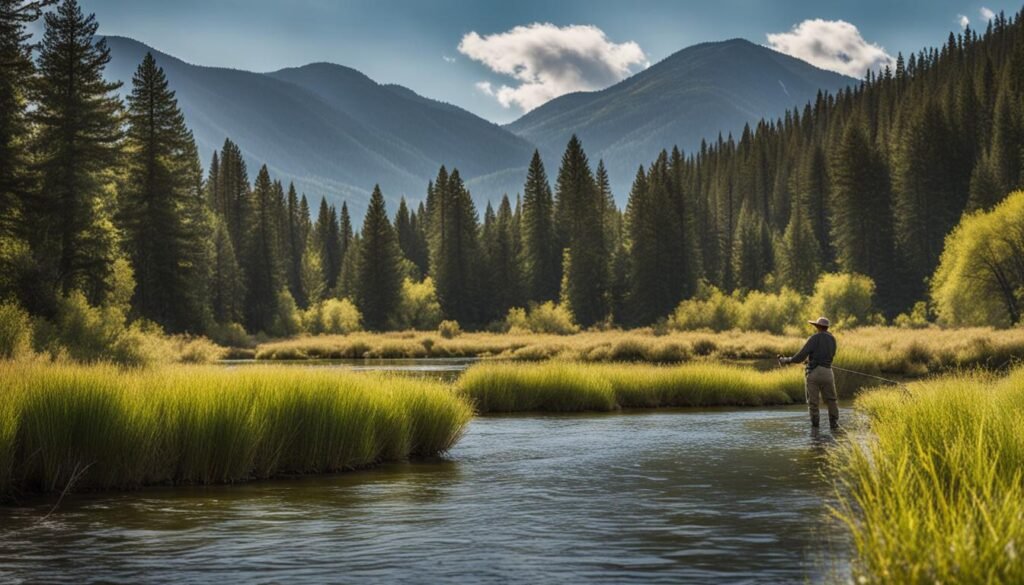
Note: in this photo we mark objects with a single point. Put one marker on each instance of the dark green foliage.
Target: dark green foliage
(294, 234)
(228, 188)
(541, 255)
(454, 248)
(261, 262)
(15, 177)
(579, 219)
(162, 212)
(76, 146)
(327, 233)
(798, 260)
(862, 229)
(227, 288)
(411, 238)
(752, 251)
(502, 270)
(379, 274)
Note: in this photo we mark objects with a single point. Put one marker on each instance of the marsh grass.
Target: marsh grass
(571, 386)
(104, 427)
(934, 492)
(873, 350)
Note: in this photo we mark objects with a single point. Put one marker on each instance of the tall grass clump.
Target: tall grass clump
(15, 331)
(934, 493)
(103, 427)
(572, 386)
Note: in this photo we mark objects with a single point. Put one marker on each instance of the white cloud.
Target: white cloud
(448, 59)
(986, 13)
(547, 61)
(962, 20)
(835, 45)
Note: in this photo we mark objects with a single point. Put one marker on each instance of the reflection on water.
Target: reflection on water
(446, 369)
(656, 496)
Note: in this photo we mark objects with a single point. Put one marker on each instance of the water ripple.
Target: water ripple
(714, 496)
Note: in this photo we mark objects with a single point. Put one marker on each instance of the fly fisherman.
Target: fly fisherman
(819, 351)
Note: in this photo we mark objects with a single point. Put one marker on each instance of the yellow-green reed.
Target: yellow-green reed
(572, 386)
(933, 493)
(102, 427)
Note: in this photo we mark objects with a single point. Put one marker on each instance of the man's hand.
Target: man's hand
(783, 360)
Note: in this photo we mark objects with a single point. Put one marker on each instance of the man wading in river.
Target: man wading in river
(819, 351)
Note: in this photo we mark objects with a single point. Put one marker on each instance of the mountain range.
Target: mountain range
(335, 132)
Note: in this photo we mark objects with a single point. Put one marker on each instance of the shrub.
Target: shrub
(449, 329)
(231, 335)
(772, 312)
(15, 331)
(90, 334)
(917, 319)
(710, 309)
(846, 299)
(340, 317)
(551, 318)
(515, 321)
(287, 319)
(418, 307)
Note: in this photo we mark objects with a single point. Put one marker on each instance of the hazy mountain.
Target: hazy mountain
(693, 94)
(336, 132)
(330, 129)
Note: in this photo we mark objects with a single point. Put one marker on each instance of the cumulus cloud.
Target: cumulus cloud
(962, 20)
(987, 13)
(448, 59)
(835, 45)
(547, 61)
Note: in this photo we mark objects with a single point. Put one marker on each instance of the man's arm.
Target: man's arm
(802, 355)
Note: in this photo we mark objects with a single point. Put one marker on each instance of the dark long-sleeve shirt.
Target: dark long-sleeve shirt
(819, 350)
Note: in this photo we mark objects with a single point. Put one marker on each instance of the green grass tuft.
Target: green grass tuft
(934, 493)
(573, 386)
(102, 427)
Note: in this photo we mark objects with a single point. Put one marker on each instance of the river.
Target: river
(729, 496)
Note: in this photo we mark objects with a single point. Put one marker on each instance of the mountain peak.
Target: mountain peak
(695, 93)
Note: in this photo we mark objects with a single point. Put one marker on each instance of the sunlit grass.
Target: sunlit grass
(571, 386)
(874, 350)
(934, 493)
(104, 427)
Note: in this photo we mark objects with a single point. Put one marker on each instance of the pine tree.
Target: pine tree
(295, 247)
(261, 264)
(379, 282)
(504, 272)
(927, 202)
(454, 249)
(162, 210)
(15, 178)
(541, 255)
(579, 220)
(862, 225)
(798, 257)
(751, 257)
(77, 143)
(311, 273)
(328, 237)
(405, 229)
(230, 194)
(812, 188)
(227, 290)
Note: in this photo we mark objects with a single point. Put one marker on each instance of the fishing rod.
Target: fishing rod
(901, 385)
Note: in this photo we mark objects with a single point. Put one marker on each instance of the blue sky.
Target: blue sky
(416, 43)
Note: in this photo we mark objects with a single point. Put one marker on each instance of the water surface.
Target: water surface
(730, 496)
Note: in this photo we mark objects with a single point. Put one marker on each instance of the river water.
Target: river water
(730, 496)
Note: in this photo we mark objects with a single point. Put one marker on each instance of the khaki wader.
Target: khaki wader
(822, 384)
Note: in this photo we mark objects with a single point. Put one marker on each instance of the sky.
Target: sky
(499, 59)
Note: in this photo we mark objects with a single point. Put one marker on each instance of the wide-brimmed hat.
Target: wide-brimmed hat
(821, 322)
